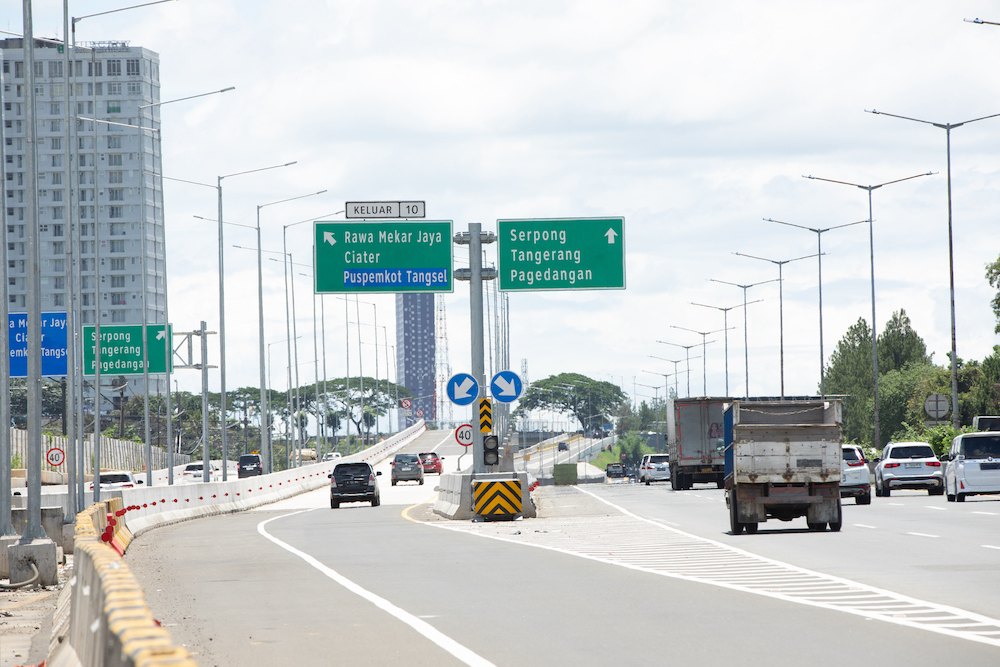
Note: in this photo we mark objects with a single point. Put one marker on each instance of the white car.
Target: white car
(855, 482)
(973, 466)
(908, 465)
(195, 472)
(654, 468)
(116, 479)
(331, 456)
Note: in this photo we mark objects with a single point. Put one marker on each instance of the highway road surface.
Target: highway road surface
(609, 574)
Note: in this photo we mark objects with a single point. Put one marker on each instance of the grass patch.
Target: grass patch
(606, 457)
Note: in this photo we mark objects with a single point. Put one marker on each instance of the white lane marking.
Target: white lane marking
(897, 504)
(986, 513)
(451, 434)
(923, 535)
(864, 525)
(426, 629)
(989, 546)
(932, 507)
(644, 545)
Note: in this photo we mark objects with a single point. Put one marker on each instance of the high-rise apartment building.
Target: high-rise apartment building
(415, 355)
(96, 185)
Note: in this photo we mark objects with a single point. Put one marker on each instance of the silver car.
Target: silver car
(908, 465)
(973, 466)
(855, 482)
(654, 468)
(407, 467)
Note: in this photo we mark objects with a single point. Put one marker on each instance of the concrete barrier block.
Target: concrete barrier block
(42, 553)
(6, 541)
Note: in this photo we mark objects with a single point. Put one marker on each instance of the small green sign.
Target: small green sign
(121, 349)
(561, 254)
(387, 257)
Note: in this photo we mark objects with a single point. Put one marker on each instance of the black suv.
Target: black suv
(250, 466)
(350, 482)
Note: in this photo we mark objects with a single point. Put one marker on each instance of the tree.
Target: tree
(899, 345)
(378, 399)
(993, 276)
(591, 402)
(850, 373)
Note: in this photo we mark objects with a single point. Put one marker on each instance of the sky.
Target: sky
(693, 121)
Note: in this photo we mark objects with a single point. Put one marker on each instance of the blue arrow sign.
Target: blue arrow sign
(53, 344)
(462, 389)
(506, 386)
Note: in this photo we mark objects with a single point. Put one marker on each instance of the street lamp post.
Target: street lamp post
(725, 324)
(948, 127)
(871, 252)
(746, 348)
(781, 309)
(704, 354)
(265, 440)
(675, 373)
(687, 357)
(819, 259)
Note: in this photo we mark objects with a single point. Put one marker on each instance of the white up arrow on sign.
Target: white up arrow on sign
(611, 234)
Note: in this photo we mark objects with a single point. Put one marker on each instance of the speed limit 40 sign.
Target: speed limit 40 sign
(55, 457)
(463, 435)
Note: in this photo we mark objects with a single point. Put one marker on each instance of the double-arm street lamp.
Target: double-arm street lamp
(871, 251)
(948, 127)
(725, 324)
(674, 374)
(746, 348)
(781, 308)
(704, 354)
(819, 259)
(687, 359)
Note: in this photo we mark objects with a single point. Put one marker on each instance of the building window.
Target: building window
(117, 264)
(118, 298)
(59, 282)
(94, 68)
(114, 106)
(114, 67)
(57, 195)
(58, 248)
(54, 108)
(55, 69)
(57, 230)
(58, 211)
(117, 315)
(55, 143)
(115, 177)
(117, 228)
(135, 88)
(114, 88)
(57, 160)
(132, 67)
(118, 281)
(39, 68)
(57, 178)
(114, 142)
(87, 299)
(116, 194)
(117, 246)
(116, 212)
(115, 159)
(58, 299)
(55, 126)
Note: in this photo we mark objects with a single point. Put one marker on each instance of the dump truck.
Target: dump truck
(783, 461)
(695, 441)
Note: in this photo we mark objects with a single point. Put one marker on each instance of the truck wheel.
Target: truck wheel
(816, 527)
(751, 527)
(673, 480)
(835, 525)
(734, 525)
(721, 484)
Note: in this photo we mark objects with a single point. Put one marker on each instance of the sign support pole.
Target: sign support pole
(476, 319)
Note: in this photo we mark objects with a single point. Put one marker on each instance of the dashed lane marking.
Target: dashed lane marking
(634, 542)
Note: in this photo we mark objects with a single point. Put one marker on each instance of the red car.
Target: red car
(432, 462)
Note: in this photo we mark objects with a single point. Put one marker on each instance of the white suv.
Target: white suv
(973, 466)
(855, 481)
(908, 465)
(654, 468)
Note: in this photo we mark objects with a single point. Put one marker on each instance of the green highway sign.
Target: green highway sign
(121, 349)
(561, 254)
(390, 257)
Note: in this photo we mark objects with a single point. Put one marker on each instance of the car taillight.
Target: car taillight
(933, 464)
(854, 464)
(371, 479)
(891, 465)
(333, 481)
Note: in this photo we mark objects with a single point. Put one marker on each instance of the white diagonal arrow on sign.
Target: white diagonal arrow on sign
(462, 390)
(161, 335)
(328, 238)
(507, 388)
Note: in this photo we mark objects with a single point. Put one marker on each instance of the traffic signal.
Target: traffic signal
(491, 450)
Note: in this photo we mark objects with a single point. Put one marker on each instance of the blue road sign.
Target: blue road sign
(462, 389)
(506, 386)
(53, 344)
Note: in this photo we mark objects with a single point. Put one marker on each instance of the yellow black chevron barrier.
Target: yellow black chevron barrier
(485, 416)
(497, 499)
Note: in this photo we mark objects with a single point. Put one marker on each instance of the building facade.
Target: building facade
(99, 185)
(415, 356)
